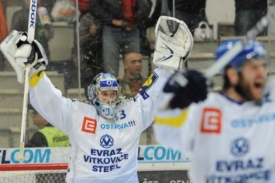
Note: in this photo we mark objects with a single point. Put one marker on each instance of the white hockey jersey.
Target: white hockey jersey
(228, 142)
(102, 151)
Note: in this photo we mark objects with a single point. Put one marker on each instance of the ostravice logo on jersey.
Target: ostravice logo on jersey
(106, 141)
(211, 120)
(89, 125)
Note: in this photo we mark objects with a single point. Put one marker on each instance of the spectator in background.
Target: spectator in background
(83, 6)
(47, 135)
(192, 12)
(48, 4)
(3, 33)
(90, 48)
(43, 33)
(248, 13)
(121, 21)
(155, 12)
(132, 80)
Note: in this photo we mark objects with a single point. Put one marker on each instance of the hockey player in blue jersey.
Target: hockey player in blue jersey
(228, 134)
(103, 132)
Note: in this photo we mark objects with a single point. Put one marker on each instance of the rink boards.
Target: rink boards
(156, 163)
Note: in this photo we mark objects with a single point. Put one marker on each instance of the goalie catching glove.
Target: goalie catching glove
(186, 87)
(174, 43)
(20, 53)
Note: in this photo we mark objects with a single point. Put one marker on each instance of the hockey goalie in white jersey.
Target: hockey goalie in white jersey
(228, 134)
(104, 132)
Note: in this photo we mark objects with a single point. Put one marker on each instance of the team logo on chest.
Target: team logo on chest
(239, 147)
(106, 141)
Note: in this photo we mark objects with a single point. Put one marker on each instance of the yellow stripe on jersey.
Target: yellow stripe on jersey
(36, 78)
(149, 81)
(175, 121)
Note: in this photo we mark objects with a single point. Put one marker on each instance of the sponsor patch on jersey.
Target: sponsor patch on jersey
(147, 84)
(89, 125)
(250, 122)
(107, 126)
(211, 120)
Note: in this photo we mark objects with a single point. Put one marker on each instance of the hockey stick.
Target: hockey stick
(31, 32)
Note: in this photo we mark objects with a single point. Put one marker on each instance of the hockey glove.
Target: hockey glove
(187, 86)
(174, 43)
(19, 52)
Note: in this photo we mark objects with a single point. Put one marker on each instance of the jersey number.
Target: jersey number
(120, 115)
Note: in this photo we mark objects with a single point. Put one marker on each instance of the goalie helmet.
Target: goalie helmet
(251, 50)
(104, 82)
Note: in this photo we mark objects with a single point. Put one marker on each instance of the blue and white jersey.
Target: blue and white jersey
(102, 150)
(227, 141)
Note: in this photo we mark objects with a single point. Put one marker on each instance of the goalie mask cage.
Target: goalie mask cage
(33, 173)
